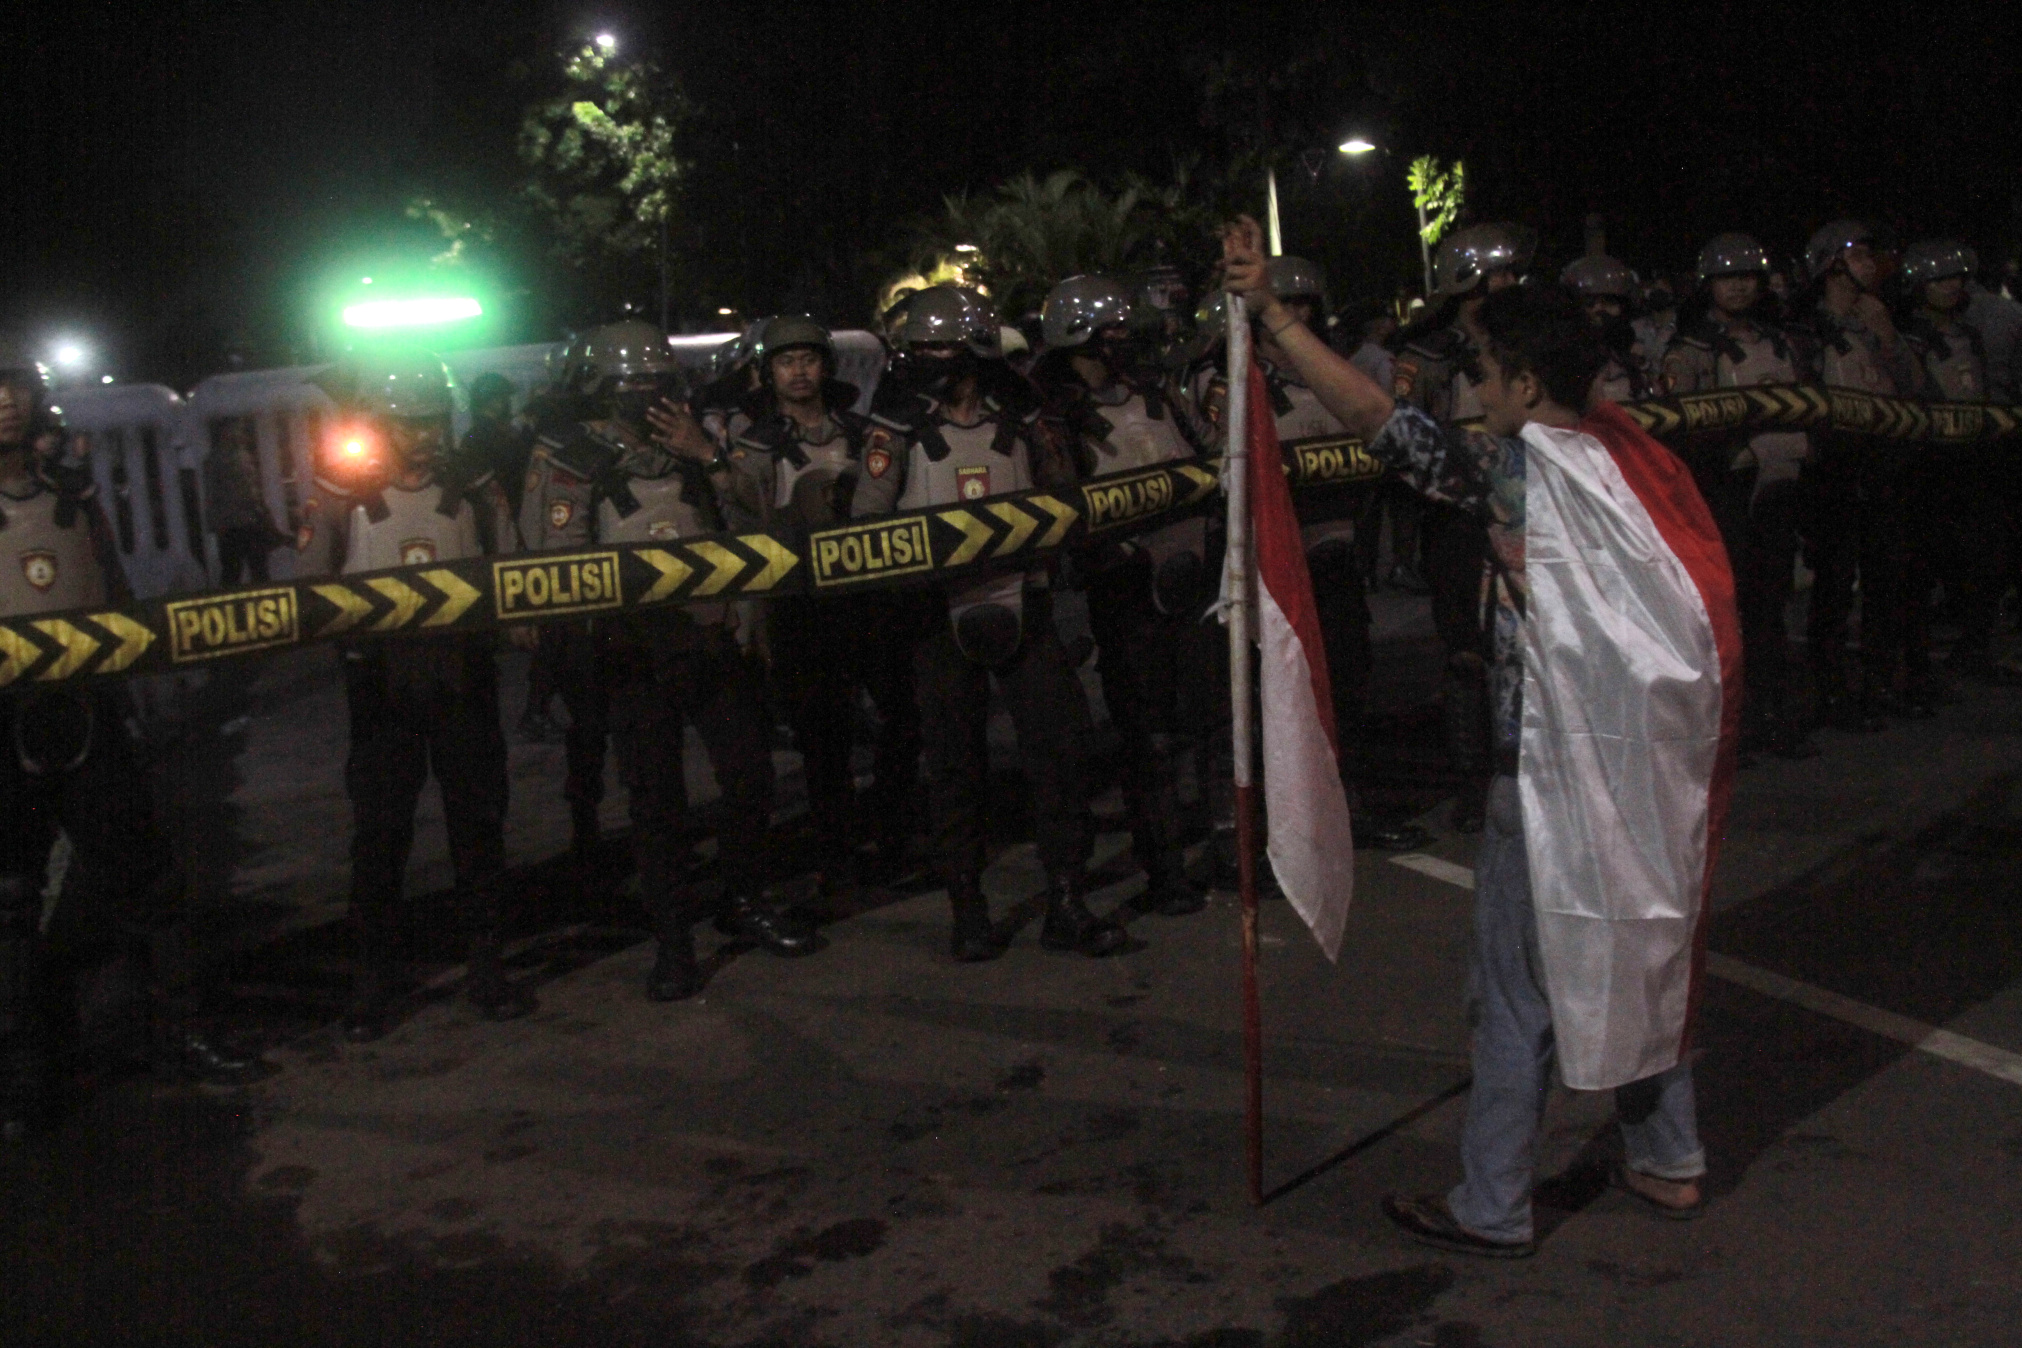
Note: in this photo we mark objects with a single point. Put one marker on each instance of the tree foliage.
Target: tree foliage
(1439, 193)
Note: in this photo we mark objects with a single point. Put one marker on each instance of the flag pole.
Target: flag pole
(1243, 729)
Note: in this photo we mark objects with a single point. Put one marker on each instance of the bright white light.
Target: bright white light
(1357, 145)
(410, 313)
(726, 312)
(70, 355)
(965, 247)
(105, 379)
(606, 42)
(365, 280)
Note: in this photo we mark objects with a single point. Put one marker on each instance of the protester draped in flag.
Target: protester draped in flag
(1617, 686)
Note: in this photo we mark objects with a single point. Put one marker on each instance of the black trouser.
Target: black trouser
(663, 673)
(243, 553)
(1050, 713)
(1763, 582)
(584, 691)
(1456, 553)
(823, 650)
(1851, 533)
(70, 762)
(424, 707)
(1965, 529)
(1145, 659)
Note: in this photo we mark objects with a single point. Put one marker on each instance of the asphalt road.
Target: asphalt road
(875, 1146)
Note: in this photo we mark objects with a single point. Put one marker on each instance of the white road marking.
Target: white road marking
(1956, 1048)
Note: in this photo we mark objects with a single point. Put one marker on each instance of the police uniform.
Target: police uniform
(1145, 596)
(418, 705)
(794, 478)
(1752, 488)
(557, 508)
(1002, 628)
(72, 761)
(1961, 498)
(658, 672)
(1856, 514)
(1437, 372)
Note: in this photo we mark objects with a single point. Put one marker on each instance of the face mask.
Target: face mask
(631, 404)
(936, 374)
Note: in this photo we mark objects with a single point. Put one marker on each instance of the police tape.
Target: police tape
(910, 548)
(907, 549)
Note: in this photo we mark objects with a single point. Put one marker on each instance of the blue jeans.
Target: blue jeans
(1514, 1047)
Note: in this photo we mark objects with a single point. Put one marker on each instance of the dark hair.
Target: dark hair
(1543, 330)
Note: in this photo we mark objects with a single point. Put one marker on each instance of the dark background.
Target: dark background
(190, 170)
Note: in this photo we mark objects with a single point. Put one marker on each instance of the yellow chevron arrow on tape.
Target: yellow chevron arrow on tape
(725, 566)
(778, 560)
(457, 597)
(134, 638)
(975, 536)
(1203, 481)
(352, 608)
(17, 653)
(78, 646)
(1021, 524)
(1064, 516)
(672, 572)
(407, 602)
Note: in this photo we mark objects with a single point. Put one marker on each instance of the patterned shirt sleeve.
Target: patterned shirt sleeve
(1480, 473)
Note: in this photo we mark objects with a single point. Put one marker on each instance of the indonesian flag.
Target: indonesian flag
(1631, 704)
(1310, 843)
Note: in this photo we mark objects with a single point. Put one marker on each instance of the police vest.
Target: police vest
(1762, 361)
(1138, 439)
(1955, 363)
(411, 531)
(1326, 512)
(988, 616)
(660, 510)
(1851, 358)
(555, 502)
(53, 566)
(804, 473)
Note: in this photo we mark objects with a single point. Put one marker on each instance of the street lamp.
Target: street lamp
(1355, 145)
(607, 42)
(70, 355)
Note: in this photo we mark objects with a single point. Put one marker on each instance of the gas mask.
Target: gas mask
(631, 400)
(935, 375)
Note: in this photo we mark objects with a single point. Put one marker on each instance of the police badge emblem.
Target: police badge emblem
(973, 483)
(663, 531)
(560, 513)
(417, 551)
(39, 568)
(878, 461)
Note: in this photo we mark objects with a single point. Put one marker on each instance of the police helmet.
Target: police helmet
(728, 358)
(1826, 246)
(1211, 319)
(1081, 306)
(1294, 278)
(630, 349)
(790, 330)
(947, 313)
(1595, 277)
(1731, 254)
(411, 387)
(1935, 260)
(1466, 257)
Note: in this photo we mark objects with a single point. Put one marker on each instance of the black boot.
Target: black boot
(973, 940)
(1070, 926)
(675, 976)
(747, 919)
(485, 986)
(1167, 891)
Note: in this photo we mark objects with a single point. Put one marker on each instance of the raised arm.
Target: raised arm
(1352, 396)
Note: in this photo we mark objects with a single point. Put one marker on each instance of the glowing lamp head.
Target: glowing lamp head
(1357, 145)
(69, 355)
(607, 42)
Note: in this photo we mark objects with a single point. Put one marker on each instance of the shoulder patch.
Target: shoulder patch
(1403, 378)
(878, 455)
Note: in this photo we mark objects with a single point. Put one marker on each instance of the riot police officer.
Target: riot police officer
(795, 453)
(74, 763)
(1965, 494)
(619, 478)
(1113, 414)
(1437, 371)
(1607, 288)
(390, 494)
(1751, 486)
(1854, 506)
(958, 425)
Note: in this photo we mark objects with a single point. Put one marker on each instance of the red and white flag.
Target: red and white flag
(1631, 705)
(1310, 843)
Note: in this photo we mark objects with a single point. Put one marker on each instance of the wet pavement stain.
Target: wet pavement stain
(1081, 1289)
(845, 1240)
(1358, 1311)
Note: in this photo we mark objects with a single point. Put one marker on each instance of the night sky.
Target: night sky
(191, 168)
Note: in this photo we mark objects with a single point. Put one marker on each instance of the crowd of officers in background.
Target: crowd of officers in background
(621, 446)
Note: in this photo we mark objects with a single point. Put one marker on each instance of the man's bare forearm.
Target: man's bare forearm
(1349, 394)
